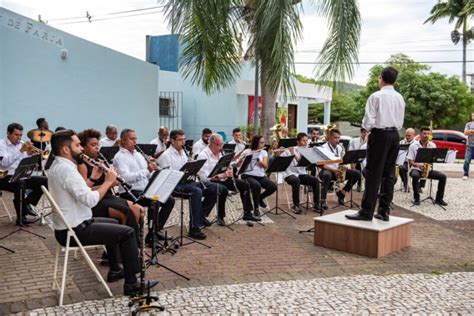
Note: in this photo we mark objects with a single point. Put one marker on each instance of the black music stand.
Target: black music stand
(353, 157)
(279, 164)
(23, 172)
(109, 152)
(151, 193)
(431, 155)
(229, 148)
(287, 142)
(221, 167)
(316, 144)
(190, 170)
(148, 149)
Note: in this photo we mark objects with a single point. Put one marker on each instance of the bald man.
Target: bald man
(409, 139)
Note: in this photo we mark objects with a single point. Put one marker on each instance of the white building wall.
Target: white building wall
(94, 86)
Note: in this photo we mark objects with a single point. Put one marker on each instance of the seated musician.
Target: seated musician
(330, 172)
(75, 200)
(416, 168)
(174, 158)
(359, 143)
(237, 140)
(134, 168)
(41, 136)
(256, 176)
(409, 139)
(12, 151)
(110, 138)
(160, 141)
(201, 144)
(224, 181)
(110, 205)
(298, 175)
(316, 136)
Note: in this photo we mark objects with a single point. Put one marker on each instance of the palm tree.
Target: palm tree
(458, 11)
(212, 31)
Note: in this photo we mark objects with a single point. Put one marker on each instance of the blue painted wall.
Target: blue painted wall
(164, 51)
(94, 86)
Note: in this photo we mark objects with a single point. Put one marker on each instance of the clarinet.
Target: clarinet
(127, 187)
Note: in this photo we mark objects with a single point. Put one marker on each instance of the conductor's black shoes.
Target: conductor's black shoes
(196, 233)
(134, 288)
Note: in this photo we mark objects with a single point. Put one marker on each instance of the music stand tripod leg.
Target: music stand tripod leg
(276, 207)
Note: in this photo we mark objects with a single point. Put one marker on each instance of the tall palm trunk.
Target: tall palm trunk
(268, 103)
(464, 50)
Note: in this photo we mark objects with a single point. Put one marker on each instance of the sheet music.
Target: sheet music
(163, 185)
(451, 156)
(325, 153)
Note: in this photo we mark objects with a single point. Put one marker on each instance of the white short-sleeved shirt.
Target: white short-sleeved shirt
(257, 170)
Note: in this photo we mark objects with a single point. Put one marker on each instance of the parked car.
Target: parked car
(450, 139)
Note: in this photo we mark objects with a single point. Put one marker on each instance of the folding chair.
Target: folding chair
(5, 207)
(67, 248)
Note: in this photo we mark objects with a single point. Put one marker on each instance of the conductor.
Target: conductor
(384, 114)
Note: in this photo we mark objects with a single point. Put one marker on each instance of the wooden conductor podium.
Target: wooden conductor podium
(374, 238)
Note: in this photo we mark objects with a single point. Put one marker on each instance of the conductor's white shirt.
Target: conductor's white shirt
(384, 108)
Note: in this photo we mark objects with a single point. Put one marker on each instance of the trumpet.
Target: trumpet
(30, 148)
(95, 163)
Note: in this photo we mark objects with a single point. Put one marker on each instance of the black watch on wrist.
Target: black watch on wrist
(93, 180)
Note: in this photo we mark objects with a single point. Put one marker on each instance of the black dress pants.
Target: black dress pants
(119, 240)
(404, 174)
(33, 184)
(435, 175)
(382, 151)
(305, 179)
(352, 176)
(256, 185)
(228, 185)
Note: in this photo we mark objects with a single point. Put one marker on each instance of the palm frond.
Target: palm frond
(275, 28)
(210, 36)
(340, 50)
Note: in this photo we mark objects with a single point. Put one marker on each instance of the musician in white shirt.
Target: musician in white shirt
(174, 158)
(409, 139)
(416, 168)
(110, 138)
(298, 175)
(384, 115)
(237, 140)
(75, 199)
(160, 141)
(202, 143)
(256, 177)
(223, 182)
(136, 171)
(12, 151)
(330, 172)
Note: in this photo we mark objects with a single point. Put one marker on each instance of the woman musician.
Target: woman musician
(111, 206)
(256, 176)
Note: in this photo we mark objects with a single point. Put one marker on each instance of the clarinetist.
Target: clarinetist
(136, 171)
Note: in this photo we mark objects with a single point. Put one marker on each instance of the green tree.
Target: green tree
(429, 96)
(212, 30)
(458, 11)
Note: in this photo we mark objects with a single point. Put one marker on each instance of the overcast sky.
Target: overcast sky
(389, 26)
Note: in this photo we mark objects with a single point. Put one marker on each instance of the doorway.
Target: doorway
(292, 116)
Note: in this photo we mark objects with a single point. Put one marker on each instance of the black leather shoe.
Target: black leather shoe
(441, 202)
(297, 209)
(134, 289)
(220, 221)
(23, 222)
(358, 217)
(256, 213)
(340, 197)
(206, 222)
(324, 206)
(382, 216)
(161, 236)
(317, 208)
(196, 233)
(416, 202)
(114, 276)
(262, 204)
(29, 210)
(249, 217)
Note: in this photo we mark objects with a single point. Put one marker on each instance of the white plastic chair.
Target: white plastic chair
(67, 248)
(5, 207)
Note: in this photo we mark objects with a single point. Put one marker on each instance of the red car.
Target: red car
(450, 139)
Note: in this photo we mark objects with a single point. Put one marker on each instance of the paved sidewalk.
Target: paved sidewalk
(274, 252)
(369, 294)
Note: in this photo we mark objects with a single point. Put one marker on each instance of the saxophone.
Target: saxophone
(341, 177)
(426, 170)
